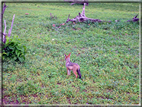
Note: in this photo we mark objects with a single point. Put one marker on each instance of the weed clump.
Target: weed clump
(13, 49)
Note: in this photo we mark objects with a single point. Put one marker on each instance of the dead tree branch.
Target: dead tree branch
(5, 26)
(135, 19)
(9, 33)
(82, 17)
(4, 7)
(4, 34)
(10, 30)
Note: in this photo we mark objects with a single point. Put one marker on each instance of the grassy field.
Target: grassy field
(108, 54)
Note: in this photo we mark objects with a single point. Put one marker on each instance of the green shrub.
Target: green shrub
(13, 49)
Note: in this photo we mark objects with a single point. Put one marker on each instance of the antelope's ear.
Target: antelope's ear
(69, 54)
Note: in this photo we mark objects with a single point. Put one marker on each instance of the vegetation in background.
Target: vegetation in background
(108, 55)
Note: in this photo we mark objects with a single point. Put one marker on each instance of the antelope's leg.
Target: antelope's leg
(68, 72)
(75, 73)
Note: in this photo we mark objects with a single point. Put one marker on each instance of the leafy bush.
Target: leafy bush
(13, 49)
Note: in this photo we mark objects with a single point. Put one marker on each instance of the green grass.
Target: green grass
(108, 54)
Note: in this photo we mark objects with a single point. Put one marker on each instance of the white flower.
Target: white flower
(52, 39)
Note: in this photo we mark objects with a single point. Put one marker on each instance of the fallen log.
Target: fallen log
(134, 19)
(82, 18)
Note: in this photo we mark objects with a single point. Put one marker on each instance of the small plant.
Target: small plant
(13, 49)
(52, 17)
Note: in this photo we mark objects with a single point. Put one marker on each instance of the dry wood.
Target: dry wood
(4, 34)
(135, 19)
(5, 26)
(81, 17)
(9, 33)
(4, 7)
(10, 30)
